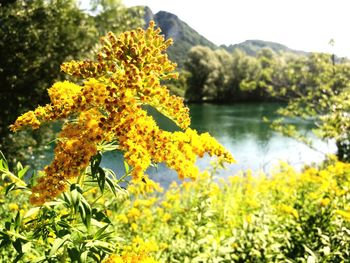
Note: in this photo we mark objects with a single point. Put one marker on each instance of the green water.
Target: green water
(240, 129)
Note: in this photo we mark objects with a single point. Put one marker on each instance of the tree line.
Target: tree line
(316, 86)
(220, 76)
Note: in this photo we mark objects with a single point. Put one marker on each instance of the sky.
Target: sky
(306, 25)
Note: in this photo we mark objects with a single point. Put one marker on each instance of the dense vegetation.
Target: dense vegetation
(286, 216)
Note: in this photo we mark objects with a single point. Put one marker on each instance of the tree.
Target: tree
(316, 88)
(207, 73)
(244, 73)
(113, 16)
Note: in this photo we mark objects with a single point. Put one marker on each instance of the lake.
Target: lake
(240, 128)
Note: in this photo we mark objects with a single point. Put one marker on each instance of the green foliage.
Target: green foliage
(316, 88)
(73, 228)
(36, 37)
(113, 16)
(34, 42)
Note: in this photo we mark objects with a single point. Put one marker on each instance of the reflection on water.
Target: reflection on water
(240, 129)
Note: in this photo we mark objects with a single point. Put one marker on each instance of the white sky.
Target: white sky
(306, 25)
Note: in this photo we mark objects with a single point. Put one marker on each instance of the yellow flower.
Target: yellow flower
(127, 73)
(344, 213)
(325, 201)
(133, 213)
(13, 207)
(289, 210)
(134, 227)
(166, 217)
(122, 218)
(130, 258)
(248, 218)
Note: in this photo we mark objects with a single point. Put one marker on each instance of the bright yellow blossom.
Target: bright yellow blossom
(108, 107)
(13, 207)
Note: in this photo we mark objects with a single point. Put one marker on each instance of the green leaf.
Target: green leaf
(3, 161)
(83, 256)
(57, 244)
(8, 225)
(9, 188)
(74, 254)
(100, 216)
(26, 247)
(19, 166)
(85, 212)
(112, 186)
(21, 170)
(61, 233)
(39, 260)
(67, 199)
(76, 187)
(105, 246)
(18, 221)
(95, 164)
(106, 234)
(18, 245)
(101, 179)
(31, 212)
(127, 167)
(5, 241)
(98, 234)
(76, 197)
(18, 257)
(64, 224)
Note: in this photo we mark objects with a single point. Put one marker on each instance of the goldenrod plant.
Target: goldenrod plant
(107, 108)
(105, 111)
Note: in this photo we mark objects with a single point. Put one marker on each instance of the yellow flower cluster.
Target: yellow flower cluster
(137, 252)
(108, 107)
(130, 258)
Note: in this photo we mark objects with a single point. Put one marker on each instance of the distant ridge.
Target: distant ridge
(252, 47)
(185, 37)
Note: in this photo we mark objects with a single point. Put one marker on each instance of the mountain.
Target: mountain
(186, 37)
(183, 35)
(252, 47)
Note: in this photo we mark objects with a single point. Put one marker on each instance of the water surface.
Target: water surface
(240, 128)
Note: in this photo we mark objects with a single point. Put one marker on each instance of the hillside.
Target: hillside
(183, 35)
